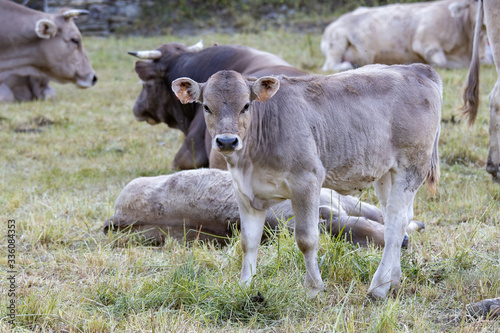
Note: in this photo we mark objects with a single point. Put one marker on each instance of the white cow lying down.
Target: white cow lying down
(200, 204)
(437, 32)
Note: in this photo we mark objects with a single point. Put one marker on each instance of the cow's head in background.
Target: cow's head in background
(155, 97)
(44, 45)
(62, 48)
(226, 99)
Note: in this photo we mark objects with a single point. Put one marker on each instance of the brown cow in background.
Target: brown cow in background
(158, 104)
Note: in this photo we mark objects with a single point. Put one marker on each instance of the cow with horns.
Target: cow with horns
(158, 104)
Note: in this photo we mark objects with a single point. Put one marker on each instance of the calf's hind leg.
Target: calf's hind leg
(400, 200)
(382, 188)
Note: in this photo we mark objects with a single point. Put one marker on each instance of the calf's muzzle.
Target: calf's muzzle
(227, 142)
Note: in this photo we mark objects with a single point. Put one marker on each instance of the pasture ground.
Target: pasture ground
(64, 162)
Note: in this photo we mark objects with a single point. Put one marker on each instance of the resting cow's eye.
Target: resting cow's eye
(207, 109)
(245, 107)
(76, 41)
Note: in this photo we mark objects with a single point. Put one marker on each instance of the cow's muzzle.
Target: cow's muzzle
(227, 143)
(87, 81)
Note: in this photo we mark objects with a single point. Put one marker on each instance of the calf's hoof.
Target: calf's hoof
(415, 226)
(406, 240)
(494, 171)
(312, 291)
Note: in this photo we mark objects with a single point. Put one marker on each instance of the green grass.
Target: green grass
(64, 162)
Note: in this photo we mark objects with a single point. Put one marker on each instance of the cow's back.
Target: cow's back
(201, 65)
(348, 122)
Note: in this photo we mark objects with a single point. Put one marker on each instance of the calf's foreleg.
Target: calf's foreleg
(252, 226)
(305, 206)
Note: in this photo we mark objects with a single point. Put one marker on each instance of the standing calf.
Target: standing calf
(284, 138)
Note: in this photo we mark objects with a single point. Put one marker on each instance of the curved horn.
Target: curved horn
(74, 13)
(153, 54)
(196, 47)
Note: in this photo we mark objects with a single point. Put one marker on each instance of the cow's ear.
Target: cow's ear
(187, 90)
(45, 28)
(146, 70)
(265, 88)
(457, 9)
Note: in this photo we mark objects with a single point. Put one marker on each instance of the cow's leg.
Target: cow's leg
(305, 204)
(334, 47)
(493, 164)
(382, 188)
(358, 229)
(353, 206)
(436, 57)
(396, 220)
(252, 226)
(193, 153)
(6, 94)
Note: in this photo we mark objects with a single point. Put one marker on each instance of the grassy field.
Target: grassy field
(64, 162)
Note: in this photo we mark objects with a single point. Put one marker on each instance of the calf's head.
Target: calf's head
(227, 99)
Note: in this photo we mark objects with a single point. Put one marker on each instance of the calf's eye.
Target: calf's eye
(75, 41)
(245, 107)
(207, 109)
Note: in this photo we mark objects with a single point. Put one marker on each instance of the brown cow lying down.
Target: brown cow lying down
(18, 88)
(200, 204)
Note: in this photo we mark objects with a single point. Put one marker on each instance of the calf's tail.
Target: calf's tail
(432, 180)
(471, 90)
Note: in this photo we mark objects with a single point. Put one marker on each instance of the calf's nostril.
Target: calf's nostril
(226, 143)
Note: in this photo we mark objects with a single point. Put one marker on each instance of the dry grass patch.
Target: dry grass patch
(63, 163)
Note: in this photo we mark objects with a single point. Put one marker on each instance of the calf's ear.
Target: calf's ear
(265, 88)
(187, 90)
(45, 28)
